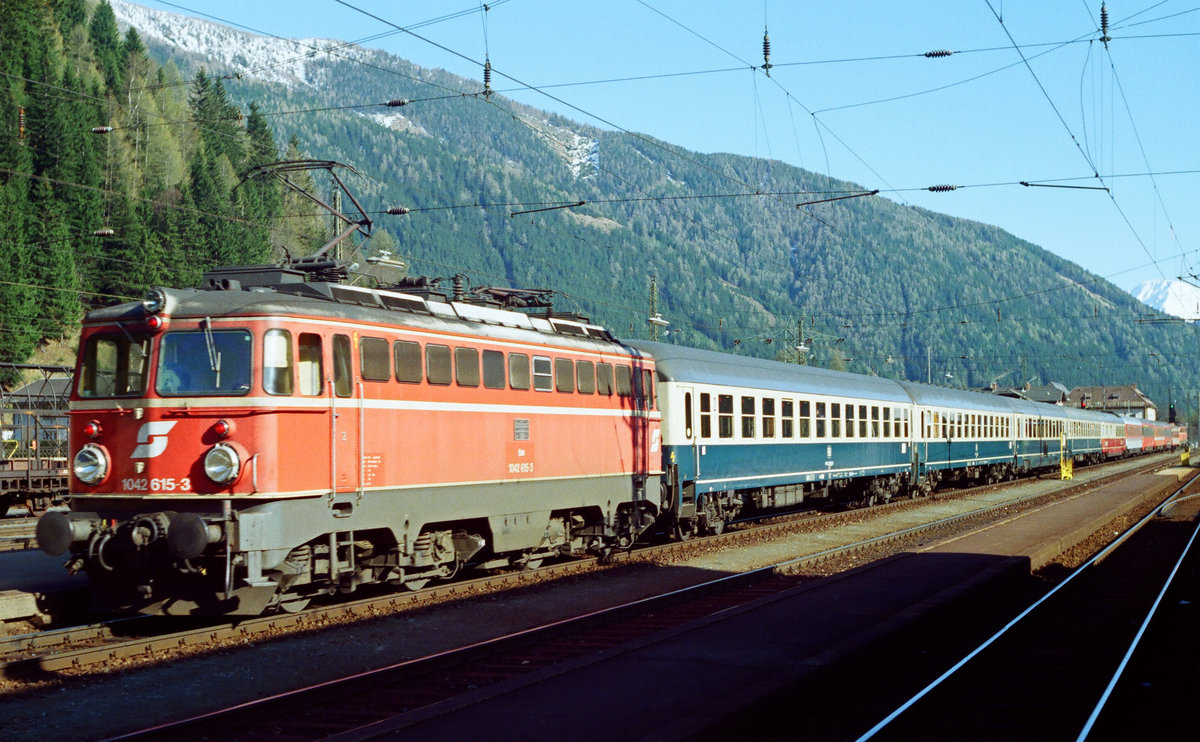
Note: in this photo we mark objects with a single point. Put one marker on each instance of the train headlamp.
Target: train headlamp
(90, 464)
(154, 301)
(222, 464)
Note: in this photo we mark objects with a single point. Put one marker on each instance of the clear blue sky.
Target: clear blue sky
(1076, 109)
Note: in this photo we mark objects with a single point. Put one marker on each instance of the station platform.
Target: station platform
(685, 680)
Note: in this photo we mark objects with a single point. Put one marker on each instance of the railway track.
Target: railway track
(1050, 672)
(74, 649)
(17, 534)
(368, 702)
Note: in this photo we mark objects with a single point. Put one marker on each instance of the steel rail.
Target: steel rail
(1095, 559)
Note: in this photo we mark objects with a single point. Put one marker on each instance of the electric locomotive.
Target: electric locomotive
(269, 437)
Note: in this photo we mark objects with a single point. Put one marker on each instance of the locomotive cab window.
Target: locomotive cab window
(114, 365)
(277, 362)
(341, 365)
(203, 363)
(311, 374)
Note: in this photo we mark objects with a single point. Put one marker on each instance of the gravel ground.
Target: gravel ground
(105, 702)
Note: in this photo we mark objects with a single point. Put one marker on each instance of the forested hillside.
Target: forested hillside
(876, 286)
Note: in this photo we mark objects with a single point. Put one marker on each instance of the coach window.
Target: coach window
(341, 365)
(787, 421)
(604, 378)
(906, 421)
(585, 377)
(725, 415)
(437, 365)
(373, 359)
(277, 362)
(408, 362)
(564, 375)
(887, 423)
(705, 415)
(849, 421)
(835, 420)
(543, 374)
(466, 366)
(862, 421)
(624, 381)
(805, 417)
(768, 418)
(493, 369)
(820, 419)
(518, 371)
(748, 407)
(310, 364)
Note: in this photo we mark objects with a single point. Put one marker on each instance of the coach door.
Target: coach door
(346, 408)
(690, 430)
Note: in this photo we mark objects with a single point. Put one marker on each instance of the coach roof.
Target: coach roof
(690, 365)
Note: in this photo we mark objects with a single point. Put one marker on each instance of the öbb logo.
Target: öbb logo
(152, 439)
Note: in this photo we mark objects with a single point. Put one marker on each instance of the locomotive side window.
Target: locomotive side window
(624, 381)
(408, 362)
(585, 378)
(787, 411)
(543, 374)
(705, 415)
(466, 366)
(373, 359)
(518, 371)
(341, 365)
(725, 415)
(768, 417)
(805, 412)
(114, 365)
(277, 362)
(604, 378)
(648, 390)
(206, 362)
(493, 369)
(564, 375)
(437, 365)
(311, 374)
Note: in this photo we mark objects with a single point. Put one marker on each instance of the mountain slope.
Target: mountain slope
(879, 287)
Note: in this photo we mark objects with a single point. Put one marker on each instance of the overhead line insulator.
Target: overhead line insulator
(101, 129)
(942, 188)
(397, 102)
(487, 78)
(21, 122)
(398, 210)
(1104, 37)
(938, 53)
(766, 67)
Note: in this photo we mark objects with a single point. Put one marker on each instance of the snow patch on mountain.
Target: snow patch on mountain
(284, 61)
(1172, 297)
(397, 122)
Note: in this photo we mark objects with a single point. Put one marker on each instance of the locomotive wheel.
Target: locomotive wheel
(415, 585)
(533, 563)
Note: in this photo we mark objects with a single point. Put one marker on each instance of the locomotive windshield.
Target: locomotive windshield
(115, 365)
(203, 363)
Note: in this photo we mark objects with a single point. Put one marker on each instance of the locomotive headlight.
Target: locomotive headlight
(154, 301)
(91, 464)
(222, 463)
